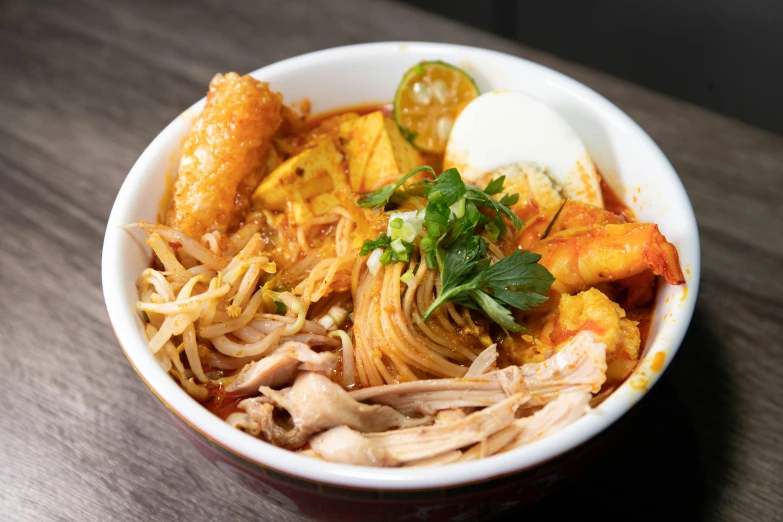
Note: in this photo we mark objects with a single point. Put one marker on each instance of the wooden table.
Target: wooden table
(85, 86)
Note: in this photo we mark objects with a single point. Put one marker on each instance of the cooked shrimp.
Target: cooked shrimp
(589, 310)
(224, 154)
(583, 257)
(573, 214)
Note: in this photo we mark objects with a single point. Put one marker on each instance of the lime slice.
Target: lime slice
(428, 100)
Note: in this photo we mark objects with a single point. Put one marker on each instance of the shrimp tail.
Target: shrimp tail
(663, 259)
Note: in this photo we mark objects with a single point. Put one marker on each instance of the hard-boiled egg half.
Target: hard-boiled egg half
(502, 129)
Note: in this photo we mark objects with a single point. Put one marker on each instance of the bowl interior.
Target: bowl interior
(625, 155)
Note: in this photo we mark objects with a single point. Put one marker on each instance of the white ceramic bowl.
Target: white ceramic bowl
(333, 78)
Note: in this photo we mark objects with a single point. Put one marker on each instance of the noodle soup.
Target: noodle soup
(324, 284)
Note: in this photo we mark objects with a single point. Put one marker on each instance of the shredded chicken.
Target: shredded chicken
(281, 367)
(263, 217)
(258, 420)
(431, 395)
(567, 408)
(315, 403)
(342, 444)
(484, 362)
(581, 362)
(412, 444)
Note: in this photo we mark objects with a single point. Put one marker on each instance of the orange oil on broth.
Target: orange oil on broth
(223, 404)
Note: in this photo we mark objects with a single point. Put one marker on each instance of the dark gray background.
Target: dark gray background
(726, 55)
(85, 85)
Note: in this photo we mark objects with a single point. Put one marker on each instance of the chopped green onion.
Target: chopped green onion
(407, 277)
(398, 246)
(396, 223)
(408, 232)
(373, 262)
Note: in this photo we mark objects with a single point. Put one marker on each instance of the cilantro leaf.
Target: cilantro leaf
(481, 199)
(452, 219)
(497, 221)
(516, 281)
(520, 300)
(509, 199)
(448, 188)
(495, 186)
(379, 198)
(519, 271)
(460, 260)
(496, 311)
(436, 218)
(461, 226)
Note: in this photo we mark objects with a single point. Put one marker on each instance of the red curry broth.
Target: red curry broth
(223, 404)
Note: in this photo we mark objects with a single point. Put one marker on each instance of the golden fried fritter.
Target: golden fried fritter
(224, 155)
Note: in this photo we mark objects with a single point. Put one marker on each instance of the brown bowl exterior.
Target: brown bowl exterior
(327, 503)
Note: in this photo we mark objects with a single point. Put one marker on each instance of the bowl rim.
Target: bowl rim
(124, 321)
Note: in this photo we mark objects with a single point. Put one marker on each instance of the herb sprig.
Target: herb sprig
(455, 228)
(380, 197)
(516, 281)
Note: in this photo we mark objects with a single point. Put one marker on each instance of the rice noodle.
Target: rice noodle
(249, 282)
(185, 305)
(167, 256)
(215, 330)
(210, 240)
(189, 245)
(251, 305)
(228, 347)
(158, 281)
(349, 364)
(329, 275)
(390, 345)
(191, 351)
(241, 237)
(265, 323)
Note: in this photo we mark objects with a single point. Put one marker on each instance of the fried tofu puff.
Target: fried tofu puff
(589, 310)
(224, 156)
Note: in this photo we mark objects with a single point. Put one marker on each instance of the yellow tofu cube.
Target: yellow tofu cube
(376, 151)
(306, 182)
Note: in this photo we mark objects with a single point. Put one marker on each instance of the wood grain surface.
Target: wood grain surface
(85, 85)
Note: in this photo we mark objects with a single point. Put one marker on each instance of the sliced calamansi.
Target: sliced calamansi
(428, 100)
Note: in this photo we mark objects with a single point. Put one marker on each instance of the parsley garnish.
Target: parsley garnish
(482, 199)
(380, 197)
(517, 281)
(448, 188)
(495, 186)
(456, 243)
